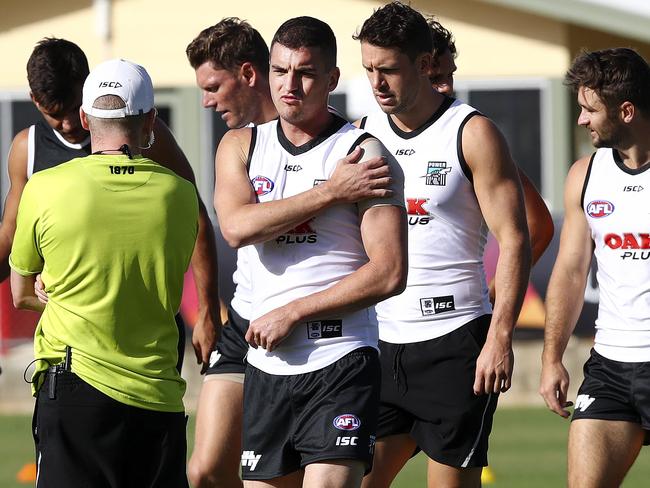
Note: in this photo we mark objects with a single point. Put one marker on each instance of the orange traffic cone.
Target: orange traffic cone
(27, 473)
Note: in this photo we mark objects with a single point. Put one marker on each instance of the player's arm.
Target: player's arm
(566, 288)
(540, 222)
(245, 221)
(383, 231)
(500, 198)
(17, 166)
(22, 291)
(204, 258)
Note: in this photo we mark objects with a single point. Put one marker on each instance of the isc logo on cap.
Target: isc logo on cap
(347, 421)
(110, 84)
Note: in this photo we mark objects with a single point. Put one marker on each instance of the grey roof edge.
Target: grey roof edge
(608, 19)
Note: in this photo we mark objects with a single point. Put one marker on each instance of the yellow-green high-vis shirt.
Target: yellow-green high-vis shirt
(112, 237)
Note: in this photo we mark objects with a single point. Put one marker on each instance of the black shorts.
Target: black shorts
(613, 390)
(291, 421)
(231, 349)
(427, 392)
(85, 438)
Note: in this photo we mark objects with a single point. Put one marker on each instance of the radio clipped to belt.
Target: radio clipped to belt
(57, 369)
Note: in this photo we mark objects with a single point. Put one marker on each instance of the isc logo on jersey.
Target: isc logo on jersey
(304, 233)
(416, 211)
(262, 185)
(632, 243)
(600, 208)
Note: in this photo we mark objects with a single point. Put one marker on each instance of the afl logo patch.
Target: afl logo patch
(600, 208)
(347, 421)
(262, 185)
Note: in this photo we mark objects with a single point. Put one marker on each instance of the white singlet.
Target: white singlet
(616, 202)
(313, 256)
(446, 285)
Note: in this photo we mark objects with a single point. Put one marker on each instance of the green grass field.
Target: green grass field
(527, 449)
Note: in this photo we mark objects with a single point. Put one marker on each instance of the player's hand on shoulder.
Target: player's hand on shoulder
(269, 330)
(494, 367)
(554, 385)
(362, 174)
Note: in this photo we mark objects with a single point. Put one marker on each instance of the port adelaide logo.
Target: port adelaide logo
(597, 209)
(437, 172)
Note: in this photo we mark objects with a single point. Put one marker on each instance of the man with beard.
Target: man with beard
(606, 216)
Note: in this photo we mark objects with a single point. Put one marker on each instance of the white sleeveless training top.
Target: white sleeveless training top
(313, 256)
(446, 285)
(616, 202)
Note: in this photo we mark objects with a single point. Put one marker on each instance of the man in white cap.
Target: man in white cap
(109, 408)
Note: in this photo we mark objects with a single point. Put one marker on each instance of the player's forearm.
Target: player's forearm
(204, 266)
(564, 300)
(370, 284)
(261, 222)
(540, 229)
(511, 281)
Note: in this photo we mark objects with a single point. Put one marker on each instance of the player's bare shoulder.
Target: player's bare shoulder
(577, 176)
(234, 145)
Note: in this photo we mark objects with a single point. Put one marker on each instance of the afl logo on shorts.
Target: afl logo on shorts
(600, 208)
(262, 185)
(347, 421)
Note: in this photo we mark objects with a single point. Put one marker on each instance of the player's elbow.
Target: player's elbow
(393, 277)
(21, 302)
(541, 233)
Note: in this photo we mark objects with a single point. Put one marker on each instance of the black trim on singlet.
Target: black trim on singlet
(362, 122)
(630, 171)
(584, 184)
(251, 148)
(459, 147)
(333, 128)
(359, 140)
(446, 103)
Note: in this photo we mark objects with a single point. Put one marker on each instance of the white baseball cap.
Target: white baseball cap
(122, 78)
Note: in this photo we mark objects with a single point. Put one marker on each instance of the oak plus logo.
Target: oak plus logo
(597, 209)
(635, 246)
(437, 172)
(249, 459)
(262, 185)
(301, 234)
(416, 212)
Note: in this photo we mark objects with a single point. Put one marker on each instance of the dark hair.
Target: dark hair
(305, 31)
(229, 44)
(616, 75)
(397, 25)
(441, 38)
(55, 69)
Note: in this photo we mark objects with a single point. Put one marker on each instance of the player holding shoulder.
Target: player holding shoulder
(231, 62)
(56, 71)
(606, 209)
(443, 69)
(317, 267)
(445, 354)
